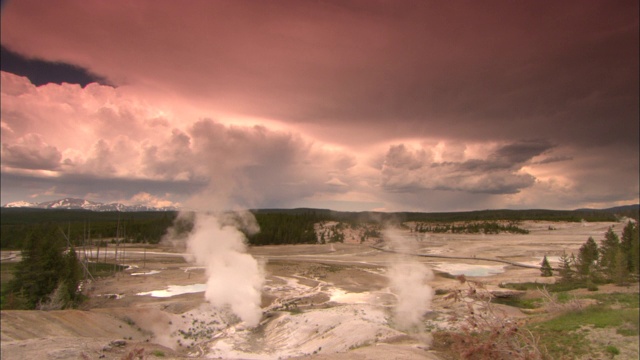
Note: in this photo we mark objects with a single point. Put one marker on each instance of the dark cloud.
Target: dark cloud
(520, 152)
(344, 91)
(564, 70)
(44, 72)
(95, 187)
(553, 159)
(407, 170)
(255, 166)
(31, 152)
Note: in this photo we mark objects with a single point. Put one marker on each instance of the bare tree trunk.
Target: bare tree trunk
(124, 245)
(84, 250)
(115, 258)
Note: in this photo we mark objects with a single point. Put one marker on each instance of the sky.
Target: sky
(348, 105)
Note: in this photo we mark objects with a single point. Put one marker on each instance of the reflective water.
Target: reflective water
(146, 273)
(469, 269)
(173, 290)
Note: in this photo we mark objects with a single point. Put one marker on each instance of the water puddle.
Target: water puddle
(174, 290)
(469, 269)
(112, 296)
(193, 268)
(146, 273)
(344, 297)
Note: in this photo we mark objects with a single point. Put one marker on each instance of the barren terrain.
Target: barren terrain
(325, 301)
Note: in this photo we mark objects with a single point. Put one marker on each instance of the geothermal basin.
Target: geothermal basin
(316, 301)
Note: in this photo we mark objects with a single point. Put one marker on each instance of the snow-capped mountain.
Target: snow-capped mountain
(72, 203)
(19, 204)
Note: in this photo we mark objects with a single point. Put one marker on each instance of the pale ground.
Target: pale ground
(337, 296)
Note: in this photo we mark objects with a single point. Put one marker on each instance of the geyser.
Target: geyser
(235, 278)
(408, 280)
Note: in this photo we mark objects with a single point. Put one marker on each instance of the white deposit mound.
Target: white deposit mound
(330, 330)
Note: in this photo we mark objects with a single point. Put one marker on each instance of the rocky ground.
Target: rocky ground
(319, 301)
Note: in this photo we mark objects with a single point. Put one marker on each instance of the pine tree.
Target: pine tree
(566, 273)
(587, 258)
(608, 250)
(46, 277)
(629, 246)
(545, 268)
(619, 271)
(71, 277)
(38, 273)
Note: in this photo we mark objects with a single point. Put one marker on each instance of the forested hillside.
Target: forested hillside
(149, 227)
(283, 228)
(278, 226)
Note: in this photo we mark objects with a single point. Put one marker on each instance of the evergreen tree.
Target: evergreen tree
(545, 268)
(71, 277)
(608, 250)
(46, 277)
(619, 271)
(38, 273)
(587, 258)
(566, 273)
(629, 246)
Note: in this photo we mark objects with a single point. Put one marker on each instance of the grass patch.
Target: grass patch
(558, 287)
(612, 350)
(157, 353)
(102, 269)
(563, 297)
(7, 300)
(6, 272)
(295, 311)
(597, 316)
(444, 274)
(565, 334)
(129, 321)
(561, 345)
(333, 268)
(629, 300)
(519, 303)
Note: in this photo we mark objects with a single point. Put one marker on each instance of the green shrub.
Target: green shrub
(157, 353)
(610, 349)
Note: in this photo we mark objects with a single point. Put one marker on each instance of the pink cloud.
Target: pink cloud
(350, 87)
(31, 152)
(433, 69)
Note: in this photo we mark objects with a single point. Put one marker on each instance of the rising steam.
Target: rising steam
(235, 278)
(408, 280)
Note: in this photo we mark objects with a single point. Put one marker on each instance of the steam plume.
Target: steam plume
(235, 278)
(408, 279)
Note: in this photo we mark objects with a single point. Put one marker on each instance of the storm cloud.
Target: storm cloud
(419, 105)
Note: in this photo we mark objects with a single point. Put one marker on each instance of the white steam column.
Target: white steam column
(235, 278)
(409, 281)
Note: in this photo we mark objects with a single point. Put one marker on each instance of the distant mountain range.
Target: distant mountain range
(81, 204)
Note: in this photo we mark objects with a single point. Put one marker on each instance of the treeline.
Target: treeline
(282, 228)
(521, 215)
(485, 227)
(278, 226)
(48, 275)
(82, 225)
(615, 259)
(354, 218)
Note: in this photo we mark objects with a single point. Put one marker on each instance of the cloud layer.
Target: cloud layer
(358, 105)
